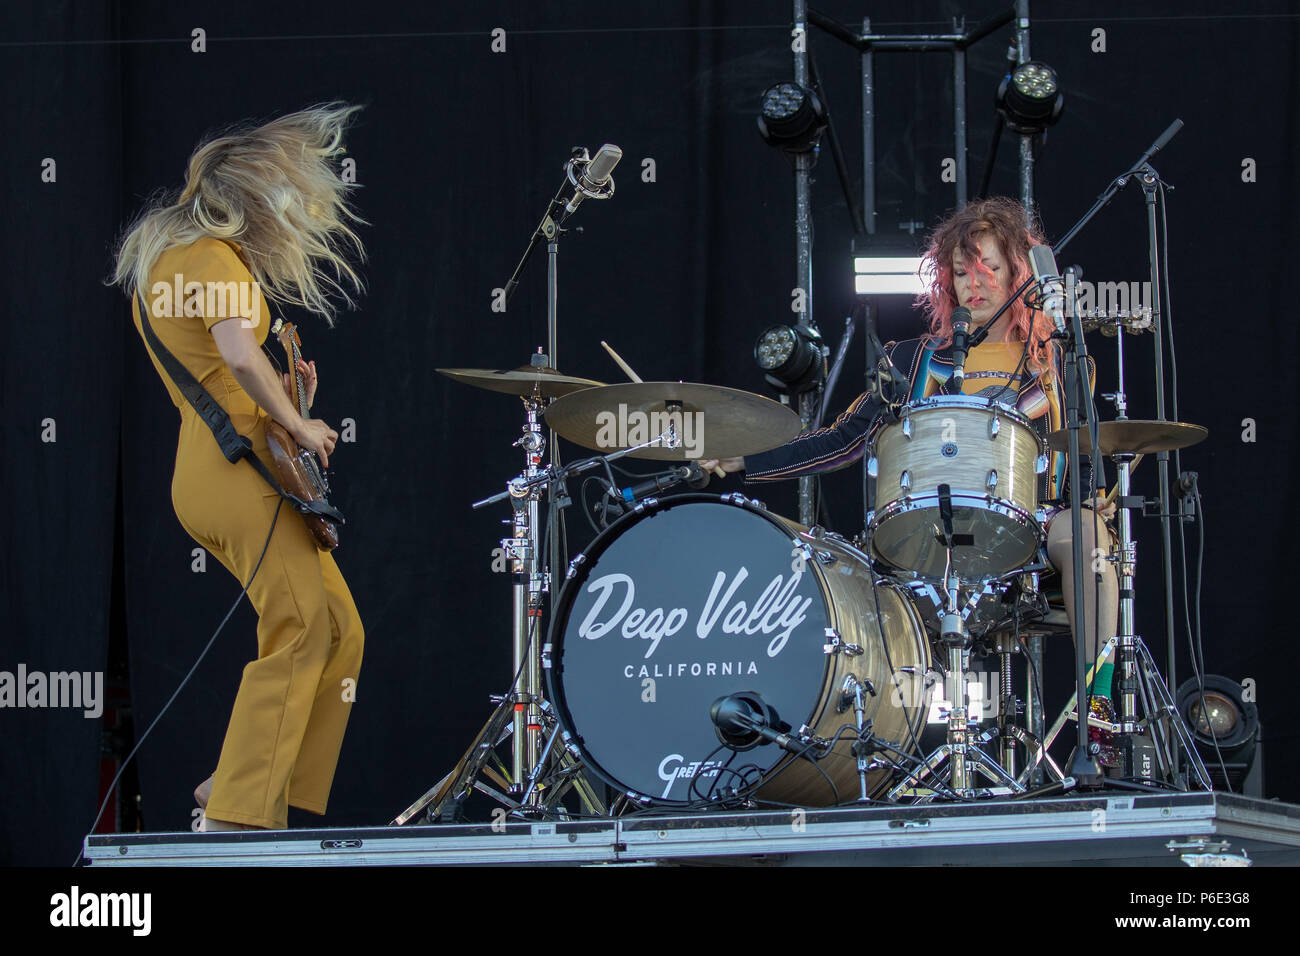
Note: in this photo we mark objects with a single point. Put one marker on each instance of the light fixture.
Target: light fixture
(792, 118)
(887, 275)
(1029, 98)
(1225, 717)
(792, 358)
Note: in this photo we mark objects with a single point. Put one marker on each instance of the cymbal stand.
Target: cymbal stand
(1136, 674)
(1135, 669)
(538, 777)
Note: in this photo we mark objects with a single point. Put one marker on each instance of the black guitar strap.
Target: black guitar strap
(233, 445)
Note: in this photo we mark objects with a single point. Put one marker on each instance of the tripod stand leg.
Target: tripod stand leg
(929, 768)
(1149, 675)
(1034, 755)
(990, 767)
(457, 783)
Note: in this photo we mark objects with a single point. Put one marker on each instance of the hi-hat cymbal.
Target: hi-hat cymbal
(715, 422)
(1134, 437)
(520, 381)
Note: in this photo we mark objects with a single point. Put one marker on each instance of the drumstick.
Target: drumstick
(627, 369)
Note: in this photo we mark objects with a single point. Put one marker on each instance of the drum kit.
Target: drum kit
(704, 652)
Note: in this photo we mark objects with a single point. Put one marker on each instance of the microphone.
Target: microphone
(745, 720)
(596, 179)
(691, 473)
(1043, 262)
(960, 346)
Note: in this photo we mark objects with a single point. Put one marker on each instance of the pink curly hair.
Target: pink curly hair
(1015, 230)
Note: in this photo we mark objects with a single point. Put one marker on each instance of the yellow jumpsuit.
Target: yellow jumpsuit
(282, 744)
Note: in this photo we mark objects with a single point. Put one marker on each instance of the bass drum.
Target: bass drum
(696, 597)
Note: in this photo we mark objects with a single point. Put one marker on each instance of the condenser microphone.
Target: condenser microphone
(1043, 262)
(593, 178)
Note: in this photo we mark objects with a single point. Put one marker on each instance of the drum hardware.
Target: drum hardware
(964, 755)
(1140, 684)
(538, 776)
(537, 384)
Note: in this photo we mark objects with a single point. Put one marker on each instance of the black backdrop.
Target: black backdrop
(458, 150)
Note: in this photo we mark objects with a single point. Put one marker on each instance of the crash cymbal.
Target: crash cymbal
(1140, 437)
(715, 422)
(520, 381)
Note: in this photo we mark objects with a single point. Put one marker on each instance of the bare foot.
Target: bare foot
(210, 825)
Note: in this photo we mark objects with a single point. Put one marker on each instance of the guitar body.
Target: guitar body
(299, 472)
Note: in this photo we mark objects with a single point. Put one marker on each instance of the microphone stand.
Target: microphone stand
(529, 700)
(1084, 766)
(1149, 180)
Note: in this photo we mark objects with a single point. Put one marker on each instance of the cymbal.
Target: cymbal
(1132, 436)
(520, 381)
(715, 422)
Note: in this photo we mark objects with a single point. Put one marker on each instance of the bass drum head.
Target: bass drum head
(671, 608)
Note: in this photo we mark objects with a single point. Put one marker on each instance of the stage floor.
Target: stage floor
(1195, 829)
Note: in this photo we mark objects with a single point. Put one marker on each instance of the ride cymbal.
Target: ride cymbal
(1129, 436)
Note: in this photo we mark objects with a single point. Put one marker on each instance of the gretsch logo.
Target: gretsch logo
(776, 612)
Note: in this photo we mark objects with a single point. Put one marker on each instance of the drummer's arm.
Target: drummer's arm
(826, 449)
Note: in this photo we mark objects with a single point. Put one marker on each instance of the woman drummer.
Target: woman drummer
(976, 259)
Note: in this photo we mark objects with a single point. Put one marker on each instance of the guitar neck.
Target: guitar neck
(299, 387)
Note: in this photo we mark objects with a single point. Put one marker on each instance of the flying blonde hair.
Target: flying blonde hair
(274, 190)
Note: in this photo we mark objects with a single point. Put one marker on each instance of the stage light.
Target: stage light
(1029, 98)
(792, 118)
(1225, 716)
(791, 358)
(887, 275)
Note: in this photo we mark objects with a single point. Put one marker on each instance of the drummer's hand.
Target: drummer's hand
(1103, 507)
(729, 465)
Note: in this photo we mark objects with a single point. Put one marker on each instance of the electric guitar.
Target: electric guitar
(299, 472)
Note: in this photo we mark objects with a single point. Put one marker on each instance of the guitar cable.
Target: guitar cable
(185, 680)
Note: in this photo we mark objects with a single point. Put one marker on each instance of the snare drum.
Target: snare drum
(696, 597)
(989, 456)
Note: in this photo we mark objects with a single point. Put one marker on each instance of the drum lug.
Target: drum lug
(834, 645)
(574, 565)
(1040, 464)
(905, 480)
(873, 466)
(993, 479)
(994, 425)
(907, 426)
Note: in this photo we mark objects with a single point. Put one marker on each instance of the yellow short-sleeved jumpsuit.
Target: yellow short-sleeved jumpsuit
(286, 728)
